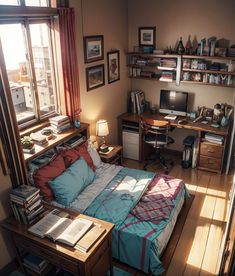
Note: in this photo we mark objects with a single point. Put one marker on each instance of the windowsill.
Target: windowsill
(34, 128)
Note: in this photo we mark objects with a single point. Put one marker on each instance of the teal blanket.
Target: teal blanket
(118, 198)
(134, 241)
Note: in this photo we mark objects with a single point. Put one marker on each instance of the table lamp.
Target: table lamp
(102, 130)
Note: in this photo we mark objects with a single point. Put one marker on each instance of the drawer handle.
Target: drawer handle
(211, 151)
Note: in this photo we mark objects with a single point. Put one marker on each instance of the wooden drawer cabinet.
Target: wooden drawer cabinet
(211, 157)
(215, 151)
(210, 162)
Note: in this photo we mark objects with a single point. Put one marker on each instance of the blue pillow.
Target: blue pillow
(71, 182)
(85, 172)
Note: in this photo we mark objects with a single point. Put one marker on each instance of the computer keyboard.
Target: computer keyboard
(170, 117)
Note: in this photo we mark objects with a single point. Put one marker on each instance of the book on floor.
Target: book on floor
(90, 238)
(61, 229)
(35, 263)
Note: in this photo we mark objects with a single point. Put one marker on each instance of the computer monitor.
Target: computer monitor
(173, 102)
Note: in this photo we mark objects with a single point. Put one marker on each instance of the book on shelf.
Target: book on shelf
(90, 238)
(61, 229)
(75, 141)
(58, 119)
(35, 263)
(29, 151)
(39, 139)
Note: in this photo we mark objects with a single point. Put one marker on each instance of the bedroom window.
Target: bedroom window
(32, 3)
(28, 47)
(28, 58)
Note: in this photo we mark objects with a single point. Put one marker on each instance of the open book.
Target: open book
(61, 229)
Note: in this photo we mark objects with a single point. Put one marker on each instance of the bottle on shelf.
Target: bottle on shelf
(188, 46)
(180, 47)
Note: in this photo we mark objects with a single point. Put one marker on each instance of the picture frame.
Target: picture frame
(95, 76)
(93, 48)
(113, 60)
(147, 36)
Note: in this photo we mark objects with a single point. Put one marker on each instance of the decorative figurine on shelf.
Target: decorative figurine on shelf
(180, 47)
(218, 114)
(188, 46)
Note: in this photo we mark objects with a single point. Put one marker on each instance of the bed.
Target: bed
(144, 206)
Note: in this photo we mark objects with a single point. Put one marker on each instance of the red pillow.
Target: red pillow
(82, 151)
(70, 156)
(46, 173)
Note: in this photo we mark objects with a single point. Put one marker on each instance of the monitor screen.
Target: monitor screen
(173, 102)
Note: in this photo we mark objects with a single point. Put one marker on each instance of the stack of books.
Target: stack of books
(75, 141)
(214, 138)
(26, 203)
(39, 139)
(137, 101)
(168, 63)
(167, 76)
(35, 263)
(60, 123)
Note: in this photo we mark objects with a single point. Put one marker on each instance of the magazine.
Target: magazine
(61, 229)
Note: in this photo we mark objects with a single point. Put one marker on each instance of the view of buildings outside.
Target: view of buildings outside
(19, 72)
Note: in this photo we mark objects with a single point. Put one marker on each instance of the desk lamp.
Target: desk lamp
(102, 130)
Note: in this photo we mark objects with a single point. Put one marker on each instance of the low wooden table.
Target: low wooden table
(97, 261)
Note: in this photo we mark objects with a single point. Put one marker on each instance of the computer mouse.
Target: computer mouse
(182, 122)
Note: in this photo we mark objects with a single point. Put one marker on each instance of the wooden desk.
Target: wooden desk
(97, 261)
(210, 156)
(59, 139)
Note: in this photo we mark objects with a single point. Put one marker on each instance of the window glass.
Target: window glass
(36, 3)
(9, 2)
(42, 57)
(18, 70)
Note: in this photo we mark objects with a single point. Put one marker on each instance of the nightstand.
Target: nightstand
(114, 156)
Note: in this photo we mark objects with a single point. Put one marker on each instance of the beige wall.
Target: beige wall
(6, 250)
(108, 18)
(173, 19)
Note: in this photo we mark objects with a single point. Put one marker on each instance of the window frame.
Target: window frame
(36, 15)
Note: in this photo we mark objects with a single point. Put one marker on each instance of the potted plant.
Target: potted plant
(27, 142)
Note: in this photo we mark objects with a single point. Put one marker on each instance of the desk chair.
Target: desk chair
(155, 133)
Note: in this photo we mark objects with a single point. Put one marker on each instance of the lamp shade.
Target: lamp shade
(102, 128)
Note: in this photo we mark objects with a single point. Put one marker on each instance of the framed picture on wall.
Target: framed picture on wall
(93, 48)
(95, 76)
(113, 66)
(147, 36)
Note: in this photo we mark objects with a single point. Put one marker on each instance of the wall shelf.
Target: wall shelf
(171, 68)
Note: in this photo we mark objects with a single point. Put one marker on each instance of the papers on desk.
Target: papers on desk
(170, 117)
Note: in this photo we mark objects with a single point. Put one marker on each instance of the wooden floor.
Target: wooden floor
(198, 248)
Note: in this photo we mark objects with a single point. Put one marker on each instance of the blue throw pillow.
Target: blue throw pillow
(71, 182)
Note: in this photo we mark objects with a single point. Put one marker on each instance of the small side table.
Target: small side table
(114, 156)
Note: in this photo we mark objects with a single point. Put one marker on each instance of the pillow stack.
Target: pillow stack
(67, 174)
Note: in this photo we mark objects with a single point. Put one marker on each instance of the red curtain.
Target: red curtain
(69, 62)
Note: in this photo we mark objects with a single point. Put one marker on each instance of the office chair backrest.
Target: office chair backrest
(155, 131)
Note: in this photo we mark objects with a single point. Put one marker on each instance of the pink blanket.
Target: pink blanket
(158, 201)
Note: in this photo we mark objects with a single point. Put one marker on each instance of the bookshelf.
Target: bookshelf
(205, 70)
(57, 140)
